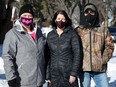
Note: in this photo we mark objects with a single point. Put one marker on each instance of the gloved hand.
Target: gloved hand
(12, 83)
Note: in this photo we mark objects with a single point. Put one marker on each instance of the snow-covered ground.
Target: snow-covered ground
(111, 73)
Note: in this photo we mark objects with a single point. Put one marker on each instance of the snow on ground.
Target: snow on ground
(112, 70)
(111, 73)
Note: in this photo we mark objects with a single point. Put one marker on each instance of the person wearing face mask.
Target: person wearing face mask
(64, 52)
(23, 52)
(97, 47)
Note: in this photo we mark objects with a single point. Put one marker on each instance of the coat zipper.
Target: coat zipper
(90, 51)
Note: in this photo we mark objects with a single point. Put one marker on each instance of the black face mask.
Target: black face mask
(90, 19)
(60, 24)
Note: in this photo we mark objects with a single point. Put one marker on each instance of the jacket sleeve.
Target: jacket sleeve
(9, 53)
(108, 47)
(76, 54)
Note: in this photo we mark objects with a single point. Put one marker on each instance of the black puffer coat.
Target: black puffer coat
(65, 58)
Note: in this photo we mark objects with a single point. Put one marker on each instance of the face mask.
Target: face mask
(27, 21)
(60, 24)
(90, 18)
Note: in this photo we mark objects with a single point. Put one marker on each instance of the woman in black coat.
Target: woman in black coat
(64, 49)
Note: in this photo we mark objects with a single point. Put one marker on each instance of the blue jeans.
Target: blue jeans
(100, 79)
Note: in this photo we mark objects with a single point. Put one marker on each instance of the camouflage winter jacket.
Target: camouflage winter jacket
(97, 47)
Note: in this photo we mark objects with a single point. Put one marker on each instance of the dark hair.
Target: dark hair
(68, 20)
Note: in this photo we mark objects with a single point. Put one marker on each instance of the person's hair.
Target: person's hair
(68, 20)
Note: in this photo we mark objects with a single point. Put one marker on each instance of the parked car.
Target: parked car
(112, 31)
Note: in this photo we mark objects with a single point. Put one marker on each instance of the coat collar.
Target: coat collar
(65, 30)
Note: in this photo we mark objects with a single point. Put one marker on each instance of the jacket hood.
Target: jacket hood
(19, 27)
(95, 23)
(89, 6)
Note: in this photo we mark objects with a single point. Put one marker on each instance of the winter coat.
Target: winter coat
(64, 58)
(23, 57)
(97, 48)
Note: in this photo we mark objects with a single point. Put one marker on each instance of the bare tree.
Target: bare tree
(44, 9)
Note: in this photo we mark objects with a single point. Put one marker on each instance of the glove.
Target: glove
(12, 83)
